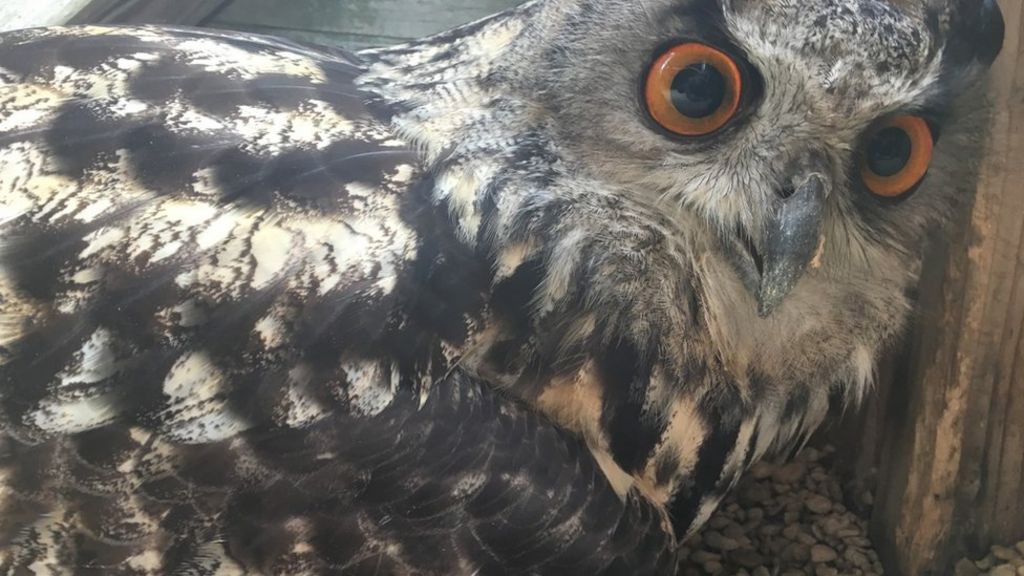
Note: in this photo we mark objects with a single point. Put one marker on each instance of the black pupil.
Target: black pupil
(698, 90)
(889, 151)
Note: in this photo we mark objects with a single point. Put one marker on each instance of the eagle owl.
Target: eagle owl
(526, 297)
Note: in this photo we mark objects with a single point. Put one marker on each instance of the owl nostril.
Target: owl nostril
(786, 192)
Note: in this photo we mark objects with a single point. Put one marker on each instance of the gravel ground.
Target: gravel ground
(1001, 561)
(785, 520)
(791, 520)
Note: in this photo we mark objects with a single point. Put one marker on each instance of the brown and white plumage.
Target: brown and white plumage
(452, 307)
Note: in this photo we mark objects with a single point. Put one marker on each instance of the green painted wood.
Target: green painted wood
(354, 23)
(29, 13)
(182, 12)
(16, 14)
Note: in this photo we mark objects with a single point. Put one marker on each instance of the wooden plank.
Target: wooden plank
(352, 41)
(953, 467)
(355, 22)
(181, 12)
(16, 14)
(997, 457)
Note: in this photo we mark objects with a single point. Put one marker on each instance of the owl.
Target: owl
(525, 297)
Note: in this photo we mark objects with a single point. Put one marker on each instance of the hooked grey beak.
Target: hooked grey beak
(793, 238)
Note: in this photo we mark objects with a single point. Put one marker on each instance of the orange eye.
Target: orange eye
(693, 89)
(896, 156)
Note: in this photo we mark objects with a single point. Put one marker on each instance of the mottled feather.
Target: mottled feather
(229, 317)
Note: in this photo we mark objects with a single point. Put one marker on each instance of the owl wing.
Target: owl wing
(228, 322)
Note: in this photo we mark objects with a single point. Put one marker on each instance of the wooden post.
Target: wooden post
(951, 476)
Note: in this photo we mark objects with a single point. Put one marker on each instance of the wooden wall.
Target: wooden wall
(349, 23)
(950, 450)
(353, 23)
(186, 12)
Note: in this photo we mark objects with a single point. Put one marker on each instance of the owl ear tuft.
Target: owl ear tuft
(978, 32)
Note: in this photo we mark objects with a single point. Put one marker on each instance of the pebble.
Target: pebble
(747, 558)
(715, 540)
(761, 470)
(818, 504)
(1005, 554)
(718, 522)
(859, 541)
(857, 558)
(966, 568)
(1000, 561)
(791, 531)
(830, 526)
(734, 531)
(703, 556)
(790, 473)
(754, 494)
(806, 538)
(755, 515)
(821, 554)
(712, 567)
(809, 454)
(796, 553)
(785, 520)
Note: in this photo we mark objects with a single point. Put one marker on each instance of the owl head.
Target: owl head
(820, 138)
(801, 150)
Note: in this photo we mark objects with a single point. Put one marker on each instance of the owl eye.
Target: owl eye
(693, 89)
(896, 156)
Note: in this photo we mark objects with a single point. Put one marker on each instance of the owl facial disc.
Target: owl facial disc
(793, 238)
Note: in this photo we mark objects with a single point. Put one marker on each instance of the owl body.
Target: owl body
(457, 306)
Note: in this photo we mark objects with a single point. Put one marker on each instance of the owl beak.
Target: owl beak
(792, 241)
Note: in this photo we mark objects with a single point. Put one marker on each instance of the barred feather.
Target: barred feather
(224, 335)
